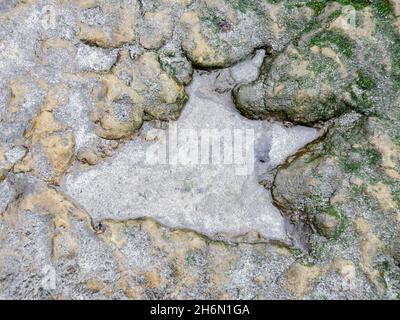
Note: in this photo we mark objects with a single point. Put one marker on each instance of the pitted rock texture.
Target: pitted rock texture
(342, 190)
(205, 196)
(141, 259)
(83, 82)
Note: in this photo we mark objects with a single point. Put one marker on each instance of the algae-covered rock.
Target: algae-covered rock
(344, 61)
(220, 33)
(136, 91)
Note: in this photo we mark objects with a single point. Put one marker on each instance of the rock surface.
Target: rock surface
(87, 88)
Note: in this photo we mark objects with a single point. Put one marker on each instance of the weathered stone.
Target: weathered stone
(158, 28)
(107, 23)
(173, 263)
(396, 251)
(333, 68)
(3, 174)
(88, 156)
(78, 81)
(299, 278)
(118, 111)
(136, 91)
(326, 224)
(308, 186)
(222, 199)
(220, 33)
